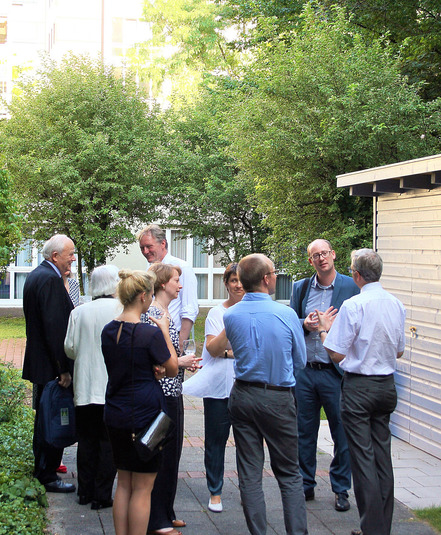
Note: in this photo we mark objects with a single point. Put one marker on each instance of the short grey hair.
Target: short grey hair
(104, 280)
(368, 263)
(55, 244)
(157, 233)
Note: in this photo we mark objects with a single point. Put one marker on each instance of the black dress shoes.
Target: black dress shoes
(59, 486)
(309, 495)
(341, 502)
(101, 505)
(356, 532)
(84, 500)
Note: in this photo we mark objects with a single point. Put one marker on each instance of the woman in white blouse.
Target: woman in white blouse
(96, 470)
(213, 383)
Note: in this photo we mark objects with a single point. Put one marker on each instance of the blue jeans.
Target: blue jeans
(315, 389)
(217, 430)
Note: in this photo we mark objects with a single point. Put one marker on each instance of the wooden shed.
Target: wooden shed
(407, 235)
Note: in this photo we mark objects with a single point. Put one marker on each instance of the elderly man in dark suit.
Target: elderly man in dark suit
(47, 307)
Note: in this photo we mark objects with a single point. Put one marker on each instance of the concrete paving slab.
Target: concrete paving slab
(69, 518)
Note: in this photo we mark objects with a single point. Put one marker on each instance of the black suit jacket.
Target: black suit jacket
(46, 306)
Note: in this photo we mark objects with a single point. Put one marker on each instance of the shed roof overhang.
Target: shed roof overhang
(422, 174)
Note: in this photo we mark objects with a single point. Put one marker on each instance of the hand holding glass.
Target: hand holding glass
(189, 347)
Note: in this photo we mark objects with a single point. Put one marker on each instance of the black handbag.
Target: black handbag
(150, 441)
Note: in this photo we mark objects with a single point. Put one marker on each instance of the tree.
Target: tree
(77, 146)
(10, 222)
(412, 26)
(189, 38)
(198, 182)
(326, 103)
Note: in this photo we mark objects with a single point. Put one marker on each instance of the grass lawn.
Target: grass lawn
(11, 327)
(431, 515)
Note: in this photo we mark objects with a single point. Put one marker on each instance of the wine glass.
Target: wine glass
(189, 347)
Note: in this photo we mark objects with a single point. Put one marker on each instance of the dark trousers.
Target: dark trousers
(96, 470)
(47, 458)
(315, 389)
(217, 430)
(257, 414)
(162, 511)
(366, 404)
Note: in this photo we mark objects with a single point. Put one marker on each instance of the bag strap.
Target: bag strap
(133, 381)
(302, 296)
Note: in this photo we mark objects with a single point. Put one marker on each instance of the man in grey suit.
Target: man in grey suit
(47, 306)
(366, 338)
(318, 384)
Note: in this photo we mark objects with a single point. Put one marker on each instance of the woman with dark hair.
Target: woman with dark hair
(132, 352)
(213, 383)
(162, 517)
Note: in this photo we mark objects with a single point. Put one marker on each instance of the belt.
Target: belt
(262, 385)
(320, 365)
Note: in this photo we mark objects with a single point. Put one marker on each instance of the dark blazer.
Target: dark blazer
(344, 288)
(46, 306)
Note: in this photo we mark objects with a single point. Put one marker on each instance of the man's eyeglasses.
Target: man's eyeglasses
(323, 254)
(276, 272)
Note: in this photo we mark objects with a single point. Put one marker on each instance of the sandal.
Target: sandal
(179, 524)
(171, 531)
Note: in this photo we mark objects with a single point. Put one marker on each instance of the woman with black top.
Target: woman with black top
(136, 354)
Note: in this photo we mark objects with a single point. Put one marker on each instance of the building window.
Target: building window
(217, 261)
(24, 257)
(3, 30)
(178, 245)
(202, 286)
(200, 259)
(283, 287)
(219, 291)
(117, 30)
(5, 286)
(20, 279)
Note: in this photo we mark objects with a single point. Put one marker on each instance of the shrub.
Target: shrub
(22, 497)
(12, 392)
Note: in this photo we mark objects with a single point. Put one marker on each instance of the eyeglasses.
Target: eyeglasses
(323, 254)
(351, 271)
(276, 272)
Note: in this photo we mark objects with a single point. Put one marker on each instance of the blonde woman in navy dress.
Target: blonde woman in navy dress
(134, 354)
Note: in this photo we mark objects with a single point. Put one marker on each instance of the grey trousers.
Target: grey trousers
(366, 404)
(258, 414)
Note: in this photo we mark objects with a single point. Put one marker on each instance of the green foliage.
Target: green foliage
(326, 104)
(22, 498)
(197, 182)
(77, 147)
(431, 515)
(10, 221)
(12, 392)
(412, 27)
(188, 39)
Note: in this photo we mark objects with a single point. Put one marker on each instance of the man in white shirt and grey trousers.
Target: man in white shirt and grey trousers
(184, 309)
(366, 338)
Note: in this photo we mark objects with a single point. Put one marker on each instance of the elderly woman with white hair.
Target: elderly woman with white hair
(96, 471)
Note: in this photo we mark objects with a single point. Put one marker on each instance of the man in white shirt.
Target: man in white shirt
(184, 309)
(366, 338)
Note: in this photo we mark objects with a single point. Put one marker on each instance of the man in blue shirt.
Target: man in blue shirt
(268, 345)
(319, 383)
